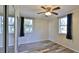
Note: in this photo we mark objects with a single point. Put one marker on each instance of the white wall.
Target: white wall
(61, 38)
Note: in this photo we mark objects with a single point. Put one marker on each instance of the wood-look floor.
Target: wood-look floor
(40, 47)
(44, 47)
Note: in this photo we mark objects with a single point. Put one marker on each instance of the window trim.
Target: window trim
(28, 25)
(61, 26)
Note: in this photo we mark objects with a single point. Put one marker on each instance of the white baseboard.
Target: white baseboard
(31, 42)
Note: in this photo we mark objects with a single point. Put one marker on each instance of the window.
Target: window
(27, 25)
(63, 25)
(1, 24)
(10, 24)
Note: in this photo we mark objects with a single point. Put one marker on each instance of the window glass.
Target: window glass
(11, 20)
(63, 25)
(28, 21)
(11, 24)
(11, 29)
(63, 21)
(27, 25)
(1, 24)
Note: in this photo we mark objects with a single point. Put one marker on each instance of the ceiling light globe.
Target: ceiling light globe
(48, 13)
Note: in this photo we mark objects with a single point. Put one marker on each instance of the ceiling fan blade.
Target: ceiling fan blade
(54, 13)
(40, 12)
(43, 7)
(56, 8)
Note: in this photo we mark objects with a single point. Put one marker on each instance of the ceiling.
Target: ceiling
(32, 10)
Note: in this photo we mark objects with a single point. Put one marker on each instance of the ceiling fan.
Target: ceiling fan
(49, 10)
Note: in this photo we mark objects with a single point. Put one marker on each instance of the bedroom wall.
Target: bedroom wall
(61, 38)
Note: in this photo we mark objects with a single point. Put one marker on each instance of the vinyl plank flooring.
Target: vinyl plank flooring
(40, 47)
(44, 47)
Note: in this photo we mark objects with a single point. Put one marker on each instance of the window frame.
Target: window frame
(28, 26)
(60, 25)
(8, 26)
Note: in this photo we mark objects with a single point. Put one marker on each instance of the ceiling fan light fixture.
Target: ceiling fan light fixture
(48, 13)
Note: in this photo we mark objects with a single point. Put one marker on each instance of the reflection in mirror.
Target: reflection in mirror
(1, 30)
(11, 29)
